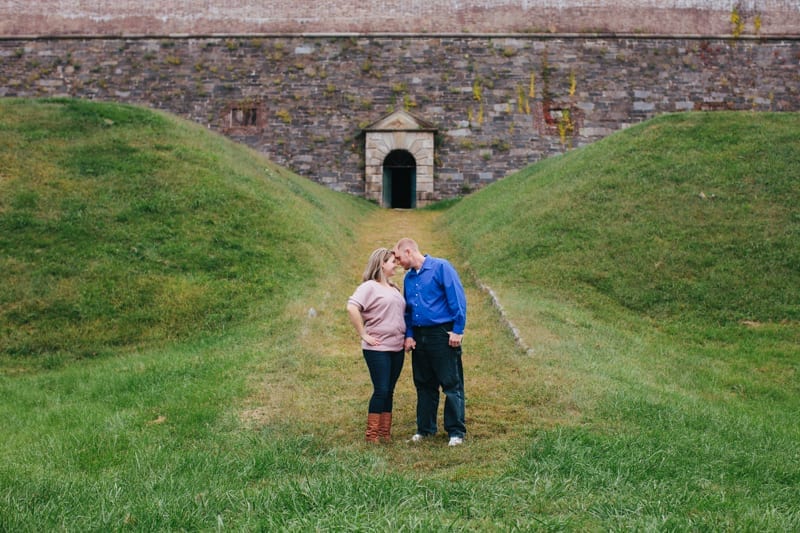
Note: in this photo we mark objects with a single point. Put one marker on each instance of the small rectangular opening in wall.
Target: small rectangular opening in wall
(243, 116)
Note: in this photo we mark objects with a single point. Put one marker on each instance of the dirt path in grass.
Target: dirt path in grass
(323, 387)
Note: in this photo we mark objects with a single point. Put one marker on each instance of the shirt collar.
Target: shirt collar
(418, 270)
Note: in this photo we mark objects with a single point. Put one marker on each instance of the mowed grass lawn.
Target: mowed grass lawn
(174, 352)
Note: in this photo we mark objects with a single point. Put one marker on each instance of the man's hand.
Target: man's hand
(455, 339)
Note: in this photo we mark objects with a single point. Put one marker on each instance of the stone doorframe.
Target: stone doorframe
(399, 131)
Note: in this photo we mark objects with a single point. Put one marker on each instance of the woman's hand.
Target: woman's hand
(369, 339)
(355, 318)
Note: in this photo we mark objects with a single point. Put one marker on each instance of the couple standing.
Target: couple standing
(428, 319)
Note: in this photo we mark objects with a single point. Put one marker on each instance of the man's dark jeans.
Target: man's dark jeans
(436, 364)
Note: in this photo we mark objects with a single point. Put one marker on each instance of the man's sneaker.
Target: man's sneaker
(417, 437)
(455, 441)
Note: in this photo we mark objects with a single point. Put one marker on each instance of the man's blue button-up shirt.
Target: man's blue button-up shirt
(434, 295)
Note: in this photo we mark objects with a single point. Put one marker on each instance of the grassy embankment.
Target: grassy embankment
(159, 369)
(663, 263)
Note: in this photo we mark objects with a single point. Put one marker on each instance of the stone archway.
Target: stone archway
(399, 133)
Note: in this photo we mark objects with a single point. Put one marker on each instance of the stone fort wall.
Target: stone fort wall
(499, 101)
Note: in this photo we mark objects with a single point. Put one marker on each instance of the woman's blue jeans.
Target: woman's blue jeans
(384, 370)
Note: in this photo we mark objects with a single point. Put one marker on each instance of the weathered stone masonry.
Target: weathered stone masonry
(498, 103)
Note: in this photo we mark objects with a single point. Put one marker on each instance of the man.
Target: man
(436, 314)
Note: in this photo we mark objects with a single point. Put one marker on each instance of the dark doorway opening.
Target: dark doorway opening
(400, 180)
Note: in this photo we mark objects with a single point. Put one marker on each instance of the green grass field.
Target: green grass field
(159, 368)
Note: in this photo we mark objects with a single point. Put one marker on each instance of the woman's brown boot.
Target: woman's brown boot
(385, 428)
(373, 426)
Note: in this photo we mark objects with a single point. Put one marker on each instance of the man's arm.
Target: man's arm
(456, 298)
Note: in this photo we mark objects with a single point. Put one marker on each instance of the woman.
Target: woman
(376, 311)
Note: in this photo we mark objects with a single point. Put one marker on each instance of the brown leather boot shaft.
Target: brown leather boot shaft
(385, 428)
(373, 427)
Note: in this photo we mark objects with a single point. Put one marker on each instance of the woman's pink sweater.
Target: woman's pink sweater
(382, 310)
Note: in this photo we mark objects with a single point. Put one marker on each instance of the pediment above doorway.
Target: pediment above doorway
(401, 121)
(399, 133)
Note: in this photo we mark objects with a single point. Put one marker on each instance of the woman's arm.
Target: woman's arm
(355, 318)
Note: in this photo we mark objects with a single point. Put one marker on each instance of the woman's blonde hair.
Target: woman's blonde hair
(376, 261)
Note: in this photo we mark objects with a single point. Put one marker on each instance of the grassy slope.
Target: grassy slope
(689, 222)
(120, 227)
(682, 218)
(675, 312)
